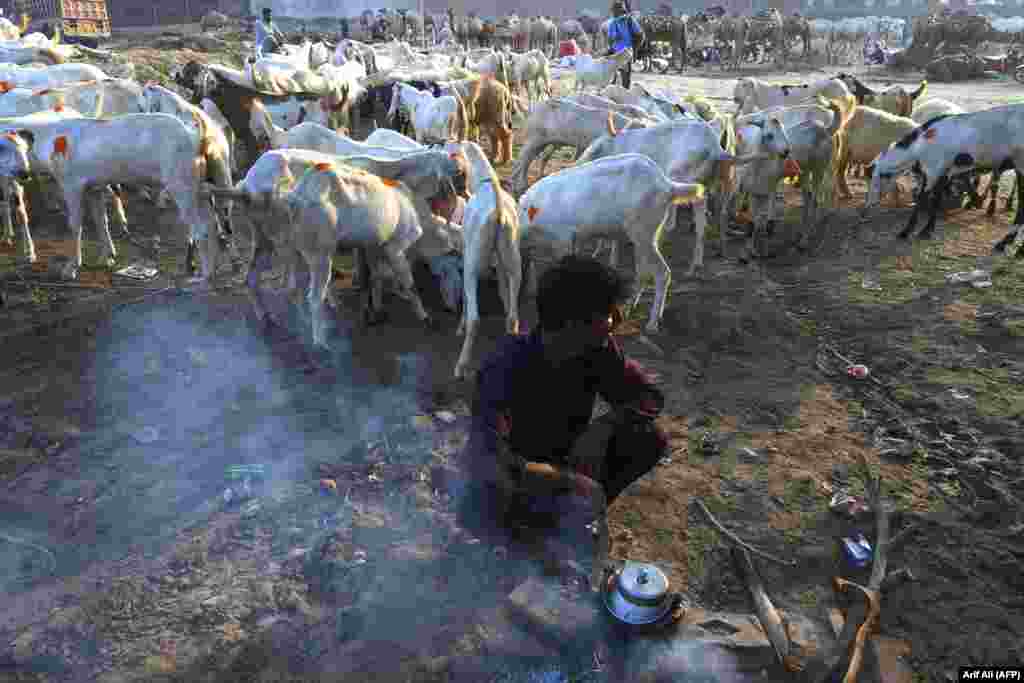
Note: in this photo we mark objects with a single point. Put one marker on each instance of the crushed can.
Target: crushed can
(857, 552)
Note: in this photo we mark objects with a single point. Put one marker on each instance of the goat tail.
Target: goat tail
(461, 125)
(686, 193)
(837, 117)
(508, 108)
(921, 90)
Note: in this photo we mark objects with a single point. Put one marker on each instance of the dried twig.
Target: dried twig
(862, 616)
(771, 620)
(737, 541)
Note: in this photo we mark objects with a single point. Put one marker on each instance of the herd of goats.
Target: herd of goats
(309, 189)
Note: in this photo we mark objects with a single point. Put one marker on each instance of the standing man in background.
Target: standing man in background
(268, 37)
(623, 32)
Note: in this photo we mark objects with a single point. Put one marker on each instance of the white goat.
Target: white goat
(623, 194)
(218, 150)
(490, 231)
(426, 174)
(560, 122)
(41, 167)
(14, 167)
(809, 155)
(988, 139)
(53, 76)
(437, 119)
(385, 137)
(929, 109)
(599, 73)
(313, 136)
(531, 69)
(752, 94)
(134, 149)
(632, 111)
(690, 151)
(337, 206)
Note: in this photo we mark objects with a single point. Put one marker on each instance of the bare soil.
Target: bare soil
(120, 562)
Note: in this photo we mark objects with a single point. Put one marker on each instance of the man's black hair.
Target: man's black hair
(578, 289)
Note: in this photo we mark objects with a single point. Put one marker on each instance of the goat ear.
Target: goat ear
(28, 136)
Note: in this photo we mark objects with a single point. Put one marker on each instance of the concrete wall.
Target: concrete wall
(131, 13)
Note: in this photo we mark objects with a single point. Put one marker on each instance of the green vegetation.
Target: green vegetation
(699, 542)
(994, 392)
(930, 269)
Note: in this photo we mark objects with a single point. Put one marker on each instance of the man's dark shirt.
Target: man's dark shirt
(543, 408)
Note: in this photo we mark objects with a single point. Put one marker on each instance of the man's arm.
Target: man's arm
(624, 384)
(490, 452)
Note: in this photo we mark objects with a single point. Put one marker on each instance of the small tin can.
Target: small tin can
(858, 371)
(857, 552)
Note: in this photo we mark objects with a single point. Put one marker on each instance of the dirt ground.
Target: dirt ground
(124, 403)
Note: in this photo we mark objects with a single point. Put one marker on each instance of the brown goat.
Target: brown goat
(489, 107)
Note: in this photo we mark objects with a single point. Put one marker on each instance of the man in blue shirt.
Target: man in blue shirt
(268, 38)
(620, 36)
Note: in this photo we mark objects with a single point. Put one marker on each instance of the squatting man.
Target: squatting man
(532, 437)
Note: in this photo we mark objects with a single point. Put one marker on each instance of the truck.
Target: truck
(85, 22)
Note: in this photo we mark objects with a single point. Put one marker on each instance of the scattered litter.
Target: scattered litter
(959, 395)
(971, 276)
(137, 272)
(858, 371)
(751, 454)
(63, 268)
(147, 435)
(844, 504)
(359, 557)
(328, 487)
(667, 460)
(856, 551)
(297, 552)
(870, 282)
(251, 508)
(446, 416)
(373, 476)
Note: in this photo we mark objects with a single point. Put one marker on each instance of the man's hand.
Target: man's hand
(584, 486)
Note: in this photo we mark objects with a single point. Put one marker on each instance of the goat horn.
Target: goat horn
(611, 126)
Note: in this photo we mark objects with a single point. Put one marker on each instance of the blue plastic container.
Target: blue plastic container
(857, 552)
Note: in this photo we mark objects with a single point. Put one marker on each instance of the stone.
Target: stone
(213, 20)
(545, 610)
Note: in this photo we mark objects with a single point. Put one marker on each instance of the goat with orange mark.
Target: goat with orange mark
(141, 149)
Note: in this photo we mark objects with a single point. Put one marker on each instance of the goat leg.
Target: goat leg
(937, 192)
(1019, 218)
(912, 222)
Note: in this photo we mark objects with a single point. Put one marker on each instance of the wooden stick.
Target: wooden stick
(895, 578)
(737, 541)
(769, 617)
(858, 616)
